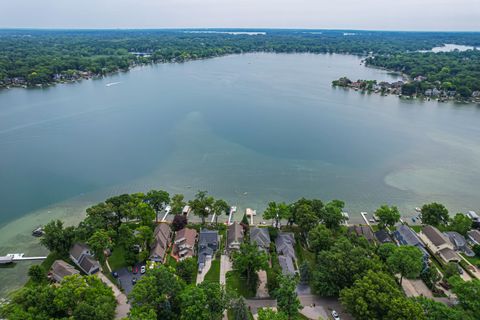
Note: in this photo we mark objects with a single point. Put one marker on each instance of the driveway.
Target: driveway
(125, 277)
(315, 307)
(225, 266)
(123, 307)
(416, 288)
(201, 276)
(262, 291)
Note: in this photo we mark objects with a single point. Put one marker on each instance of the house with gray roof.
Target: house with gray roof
(162, 240)
(60, 269)
(234, 236)
(383, 236)
(407, 237)
(439, 244)
(474, 236)
(364, 231)
(261, 237)
(82, 256)
(207, 245)
(285, 244)
(459, 243)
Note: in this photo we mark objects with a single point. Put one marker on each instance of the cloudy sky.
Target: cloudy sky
(325, 14)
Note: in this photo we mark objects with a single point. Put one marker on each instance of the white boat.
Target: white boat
(418, 209)
(111, 84)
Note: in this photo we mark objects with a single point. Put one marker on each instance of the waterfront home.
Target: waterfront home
(60, 269)
(474, 236)
(473, 216)
(285, 244)
(364, 231)
(459, 243)
(184, 243)
(382, 236)
(439, 244)
(162, 240)
(235, 235)
(207, 245)
(82, 256)
(407, 237)
(261, 237)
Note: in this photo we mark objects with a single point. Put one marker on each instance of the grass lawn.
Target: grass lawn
(236, 282)
(213, 275)
(473, 260)
(117, 259)
(416, 228)
(171, 262)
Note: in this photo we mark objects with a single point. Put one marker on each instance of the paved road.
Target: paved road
(123, 307)
(201, 276)
(225, 266)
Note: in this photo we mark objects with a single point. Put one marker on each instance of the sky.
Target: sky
(428, 15)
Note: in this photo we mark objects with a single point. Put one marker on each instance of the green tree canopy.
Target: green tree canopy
(320, 238)
(248, 260)
(434, 214)
(286, 295)
(461, 224)
(407, 261)
(277, 211)
(57, 238)
(388, 216)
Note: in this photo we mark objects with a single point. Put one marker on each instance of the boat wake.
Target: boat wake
(112, 84)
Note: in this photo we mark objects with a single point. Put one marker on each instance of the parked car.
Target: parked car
(134, 281)
(115, 274)
(143, 270)
(134, 270)
(460, 270)
(335, 315)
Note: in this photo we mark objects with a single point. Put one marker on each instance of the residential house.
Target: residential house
(439, 244)
(60, 269)
(162, 240)
(261, 237)
(407, 237)
(459, 243)
(382, 236)
(235, 234)
(474, 236)
(285, 244)
(207, 245)
(474, 216)
(364, 231)
(184, 243)
(82, 256)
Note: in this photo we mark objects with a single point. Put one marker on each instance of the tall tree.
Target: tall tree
(331, 215)
(269, 314)
(276, 211)
(248, 260)
(202, 205)
(388, 216)
(306, 218)
(157, 199)
(467, 293)
(179, 222)
(186, 269)
(205, 301)
(320, 238)
(119, 205)
(461, 224)
(436, 310)
(37, 273)
(178, 203)
(434, 214)
(286, 295)
(220, 207)
(157, 291)
(406, 260)
(144, 213)
(371, 296)
(57, 238)
(99, 242)
(240, 309)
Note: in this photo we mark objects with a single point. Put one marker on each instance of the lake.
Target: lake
(248, 128)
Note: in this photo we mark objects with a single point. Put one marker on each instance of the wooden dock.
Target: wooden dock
(15, 257)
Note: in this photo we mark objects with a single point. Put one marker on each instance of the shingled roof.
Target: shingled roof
(434, 235)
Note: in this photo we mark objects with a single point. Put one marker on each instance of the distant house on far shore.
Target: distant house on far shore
(60, 269)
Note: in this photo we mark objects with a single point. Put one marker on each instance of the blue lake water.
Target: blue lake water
(248, 128)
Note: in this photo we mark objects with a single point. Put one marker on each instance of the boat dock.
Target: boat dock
(15, 257)
(230, 216)
(364, 216)
(168, 209)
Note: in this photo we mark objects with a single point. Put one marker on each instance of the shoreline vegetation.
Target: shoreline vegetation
(336, 260)
(40, 58)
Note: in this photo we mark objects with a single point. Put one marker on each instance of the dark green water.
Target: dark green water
(250, 128)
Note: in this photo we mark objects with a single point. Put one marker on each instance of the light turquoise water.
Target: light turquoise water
(248, 128)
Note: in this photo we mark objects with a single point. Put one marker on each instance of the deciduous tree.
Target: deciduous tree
(434, 214)
(407, 261)
(388, 216)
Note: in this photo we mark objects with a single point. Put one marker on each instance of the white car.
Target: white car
(143, 270)
(335, 315)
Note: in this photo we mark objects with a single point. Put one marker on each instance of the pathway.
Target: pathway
(225, 266)
(123, 307)
(201, 276)
(262, 291)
